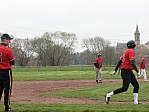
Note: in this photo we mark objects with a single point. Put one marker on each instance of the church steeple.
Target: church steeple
(137, 36)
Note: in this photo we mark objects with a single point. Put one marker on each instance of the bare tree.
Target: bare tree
(40, 48)
(97, 45)
(54, 48)
(22, 50)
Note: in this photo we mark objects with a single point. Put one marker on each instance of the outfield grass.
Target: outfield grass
(58, 75)
(78, 108)
(31, 74)
(94, 92)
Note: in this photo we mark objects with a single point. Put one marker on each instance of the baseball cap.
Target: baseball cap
(143, 56)
(99, 54)
(6, 36)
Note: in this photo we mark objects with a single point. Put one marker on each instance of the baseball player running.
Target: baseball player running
(6, 60)
(142, 68)
(127, 65)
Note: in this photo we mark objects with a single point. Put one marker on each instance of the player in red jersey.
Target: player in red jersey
(6, 60)
(127, 65)
(142, 68)
(97, 66)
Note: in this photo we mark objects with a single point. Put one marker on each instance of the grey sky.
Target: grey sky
(114, 20)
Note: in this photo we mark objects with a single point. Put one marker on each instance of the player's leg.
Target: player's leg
(1, 89)
(125, 74)
(144, 75)
(100, 73)
(141, 73)
(7, 90)
(135, 84)
(97, 73)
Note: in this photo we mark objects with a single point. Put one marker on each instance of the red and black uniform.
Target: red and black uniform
(6, 60)
(98, 62)
(127, 65)
(142, 63)
(98, 66)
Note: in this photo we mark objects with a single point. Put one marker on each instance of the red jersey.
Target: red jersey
(99, 62)
(142, 63)
(5, 56)
(127, 57)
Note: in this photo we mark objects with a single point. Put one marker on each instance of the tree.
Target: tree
(22, 50)
(54, 49)
(98, 45)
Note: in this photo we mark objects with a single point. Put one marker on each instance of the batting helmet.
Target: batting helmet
(6, 36)
(131, 44)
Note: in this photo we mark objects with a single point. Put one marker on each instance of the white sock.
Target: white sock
(135, 98)
(110, 94)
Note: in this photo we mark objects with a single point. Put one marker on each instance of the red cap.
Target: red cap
(143, 56)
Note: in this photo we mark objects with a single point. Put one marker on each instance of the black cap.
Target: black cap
(6, 36)
(131, 44)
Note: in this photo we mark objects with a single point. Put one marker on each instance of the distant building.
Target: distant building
(147, 45)
(122, 46)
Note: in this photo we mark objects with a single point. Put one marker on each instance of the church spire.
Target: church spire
(137, 36)
(137, 28)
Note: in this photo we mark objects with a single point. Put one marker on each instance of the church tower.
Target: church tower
(137, 36)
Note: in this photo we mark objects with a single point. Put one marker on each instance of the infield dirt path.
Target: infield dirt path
(31, 91)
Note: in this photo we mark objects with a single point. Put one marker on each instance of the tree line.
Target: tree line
(58, 49)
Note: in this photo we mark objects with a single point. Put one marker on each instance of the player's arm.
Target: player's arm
(116, 68)
(12, 62)
(11, 58)
(118, 65)
(132, 62)
(96, 65)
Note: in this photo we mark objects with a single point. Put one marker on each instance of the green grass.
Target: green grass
(94, 92)
(98, 92)
(60, 75)
(78, 108)
(55, 68)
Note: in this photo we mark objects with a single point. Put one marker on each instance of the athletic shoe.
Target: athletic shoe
(6, 110)
(100, 81)
(97, 81)
(107, 99)
(138, 77)
(146, 80)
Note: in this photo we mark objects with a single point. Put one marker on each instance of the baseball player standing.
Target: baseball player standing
(142, 68)
(127, 65)
(98, 66)
(6, 60)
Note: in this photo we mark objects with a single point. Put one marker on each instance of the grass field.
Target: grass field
(94, 92)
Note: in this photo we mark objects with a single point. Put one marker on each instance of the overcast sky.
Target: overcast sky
(113, 20)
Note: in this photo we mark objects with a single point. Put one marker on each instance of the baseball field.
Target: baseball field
(67, 89)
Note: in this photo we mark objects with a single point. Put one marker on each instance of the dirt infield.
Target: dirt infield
(31, 92)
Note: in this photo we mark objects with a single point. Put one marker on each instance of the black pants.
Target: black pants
(128, 77)
(6, 86)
